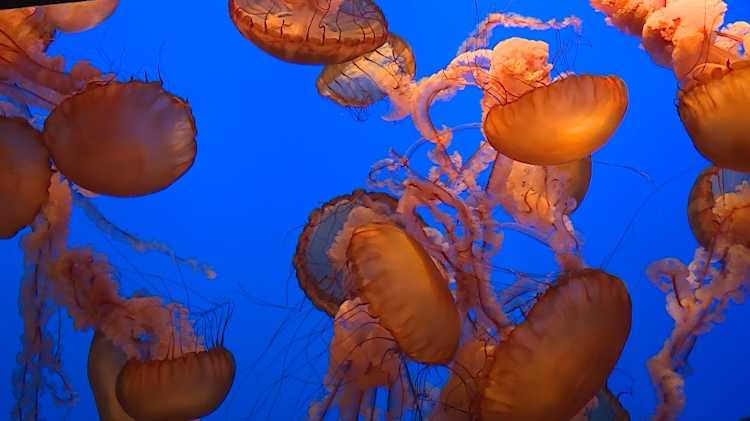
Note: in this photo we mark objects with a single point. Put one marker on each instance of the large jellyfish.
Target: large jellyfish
(311, 31)
(80, 16)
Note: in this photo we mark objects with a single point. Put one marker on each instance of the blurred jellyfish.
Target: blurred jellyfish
(81, 16)
(94, 142)
(311, 31)
(104, 364)
(719, 207)
(554, 363)
(317, 277)
(24, 175)
(371, 77)
(27, 28)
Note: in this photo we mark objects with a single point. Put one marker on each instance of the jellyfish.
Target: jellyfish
(24, 175)
(94, 142)
(81, 16)
(311, 31)
(718, 206)
(27, 28)
(104, 364)
(554, 363)
(317, 277)
(371, 77)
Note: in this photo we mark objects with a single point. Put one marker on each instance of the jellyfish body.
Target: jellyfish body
(184, 388)
(122, 139)
(406, 290)
(714, 115)
(81, 16)
(104, 364)
(716, 208)
(321, 281)
(311, 31)
(554, 363)
(369, 78)
(565, 121)
(24, 175)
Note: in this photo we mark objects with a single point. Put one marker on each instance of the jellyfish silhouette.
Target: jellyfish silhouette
(24, 175)
(80, 16)
(371, 77)
(554, 363)
(122, 139)
(104, 365)
(311, 31)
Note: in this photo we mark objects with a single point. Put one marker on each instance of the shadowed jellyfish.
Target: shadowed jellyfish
(24, 175)
(104, 364)
(311, 31)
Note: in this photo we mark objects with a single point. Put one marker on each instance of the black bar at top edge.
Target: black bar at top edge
(14, 4)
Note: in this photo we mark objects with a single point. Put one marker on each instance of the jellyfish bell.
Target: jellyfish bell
(554, 362)
(719, 205)
(371, 77)
(321, 281)
(406, 290)
(311, 31)
(565, 121)
(104, 364)
(24, 175)
(714, 115)
(122, 138)
(188, 387)
(79, 16)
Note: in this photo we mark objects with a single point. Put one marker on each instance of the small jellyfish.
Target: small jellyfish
(311, 31)
(371, 77)
(719, 205)
(554, 363)
(562, 122)
(406, 290)
(122, 139)
(24, 175)
(80, 16)
(176, 389)
(317, 277)
(104, 364)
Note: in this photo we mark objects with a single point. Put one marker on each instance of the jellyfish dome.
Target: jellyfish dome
(81, 16)
(719, 205)
(24, 175)
(311, 31)
(318, 277)
(122, 139)
(554, 363)
(184, 388)
(562, 122)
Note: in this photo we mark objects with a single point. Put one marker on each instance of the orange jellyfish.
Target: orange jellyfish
(371, 77)
(718, 206)
(81, 16)
(406, 290)
(311, 31)
(122, 139)
(104, 364)
(318, 278)
(562, 122)
(554, 363)
(24, 175)
(26, 27)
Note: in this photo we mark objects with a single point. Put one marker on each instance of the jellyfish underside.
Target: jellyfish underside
(565, 121)
(554, 363)
(81, 16)
(311, 32)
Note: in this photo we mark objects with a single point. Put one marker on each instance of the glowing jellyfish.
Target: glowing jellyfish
(554, 363)
(183, 388)
(322, 282)
(371, 77)
(717, 207)
(122, 139)
(81, 16)
(104, 364)
(311, 31)
(406, 290)
(563, 122)
(24, 175)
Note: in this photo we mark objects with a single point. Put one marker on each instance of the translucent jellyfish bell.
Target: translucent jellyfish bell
(311, 31)
(554, 363)
(104, 364)
(24, 175)
(719, 204)
(562, 122)
(80, 16)
(406, 290)
(122, 139)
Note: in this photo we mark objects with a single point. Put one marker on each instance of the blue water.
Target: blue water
(271, 150)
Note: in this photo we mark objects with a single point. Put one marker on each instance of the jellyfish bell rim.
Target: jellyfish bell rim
(508, 127)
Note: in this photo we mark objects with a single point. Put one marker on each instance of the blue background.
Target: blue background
(271, 150)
